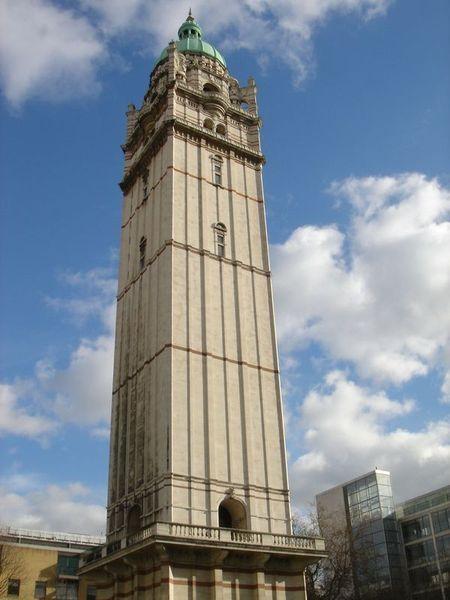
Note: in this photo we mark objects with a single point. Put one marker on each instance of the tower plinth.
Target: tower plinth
(198, 493)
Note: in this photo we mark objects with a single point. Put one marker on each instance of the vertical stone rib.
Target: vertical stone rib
(264, 440)
(188, 336)
(203, 311)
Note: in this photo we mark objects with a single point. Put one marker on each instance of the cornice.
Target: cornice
(178, 124)
(219, 140)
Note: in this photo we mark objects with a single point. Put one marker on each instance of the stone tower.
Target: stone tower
(198, 498)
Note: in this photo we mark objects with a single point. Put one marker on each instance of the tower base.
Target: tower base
(184, 562)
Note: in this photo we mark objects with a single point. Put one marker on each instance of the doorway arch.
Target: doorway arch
(232, 514)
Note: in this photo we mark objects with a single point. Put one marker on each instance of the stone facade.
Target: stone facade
(197, 434)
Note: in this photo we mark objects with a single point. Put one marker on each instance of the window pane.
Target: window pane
(441, 520)
(66, 590)
(13, 587)
(67, 565)
(443, 546)
(91, 593)
(40, 589)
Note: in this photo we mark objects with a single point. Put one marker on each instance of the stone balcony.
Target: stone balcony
(212, 537)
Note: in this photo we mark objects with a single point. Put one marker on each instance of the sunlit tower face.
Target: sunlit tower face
(198, 493)
(197, 419)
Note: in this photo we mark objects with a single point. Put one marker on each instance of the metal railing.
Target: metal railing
(52, 536)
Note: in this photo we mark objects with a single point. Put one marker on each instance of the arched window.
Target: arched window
(208, 124)
(134, 520)
(209, 87)
(217, 169)
(220, 231)
(142, 252)
(232, 514)
(221, 129)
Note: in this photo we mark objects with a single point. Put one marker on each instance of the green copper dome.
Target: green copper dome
(190, 40)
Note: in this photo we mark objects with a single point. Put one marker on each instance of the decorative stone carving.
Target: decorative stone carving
(180, 66)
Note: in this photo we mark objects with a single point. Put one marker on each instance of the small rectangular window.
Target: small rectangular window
(67, 590)
(217, 172)
(220, 235)
(13, 587)
(91, 593)
(142, 252)
(40, 589)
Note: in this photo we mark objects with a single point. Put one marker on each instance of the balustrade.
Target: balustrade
(214, 534)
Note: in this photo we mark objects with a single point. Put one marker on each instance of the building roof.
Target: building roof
(343, 485)
(52, 538)
(190, 40)
(424, 502)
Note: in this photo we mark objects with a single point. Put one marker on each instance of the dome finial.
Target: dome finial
(190, 17)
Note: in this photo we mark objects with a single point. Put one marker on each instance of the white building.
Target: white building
(198, 488)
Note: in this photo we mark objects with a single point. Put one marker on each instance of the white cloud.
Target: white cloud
(53, 52)
(47, 51)
(445, 389)
(92, 296)
(377, 293)
(17, 418)
(346, 431)
(79, 392)
(287, 25)
(52, 508)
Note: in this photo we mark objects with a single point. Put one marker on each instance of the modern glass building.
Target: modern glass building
(425, 526)
(366, 506)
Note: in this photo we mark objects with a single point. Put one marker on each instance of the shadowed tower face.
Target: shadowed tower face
(197, 425)
(198, 495)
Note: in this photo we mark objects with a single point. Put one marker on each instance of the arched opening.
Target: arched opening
(221, 129)
(220, 250)
(209, 87)
(134, 520)
(232, 514)
(221, 226)
(225, 519)
(208, 124)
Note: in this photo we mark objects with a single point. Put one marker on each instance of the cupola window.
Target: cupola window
(208, 124)
(209, 87)
(221, 129)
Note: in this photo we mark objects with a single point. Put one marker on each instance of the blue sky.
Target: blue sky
(354, 97)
